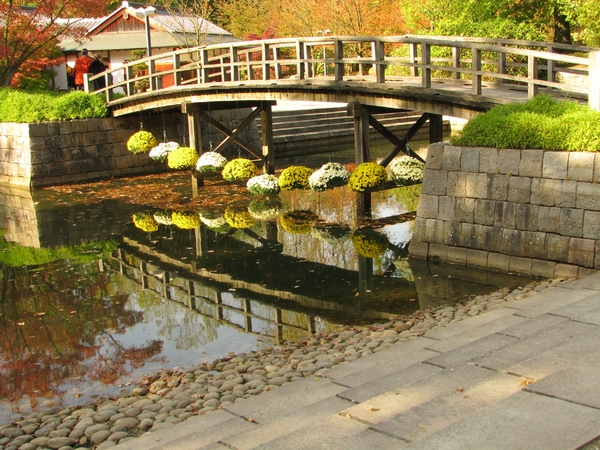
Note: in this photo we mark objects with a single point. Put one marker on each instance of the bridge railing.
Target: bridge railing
(426, 60)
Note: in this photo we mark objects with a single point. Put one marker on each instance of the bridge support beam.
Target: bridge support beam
(361, 116)
(195, 138)
(268, 150)
(436, 128)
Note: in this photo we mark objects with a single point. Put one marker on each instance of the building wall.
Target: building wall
(532, 212)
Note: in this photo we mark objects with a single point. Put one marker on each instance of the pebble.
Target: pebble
(175, 395)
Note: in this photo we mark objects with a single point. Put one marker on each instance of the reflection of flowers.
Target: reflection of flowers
(145, 222)
(239, 218)
(239, 169)
(210, 162)
(332, 234)
(263, 185)
(295, 177)
(162, 150)
(182, 158)
(407, 170)
(329, 176)
(163, 217)
(369, 243)
(141, 142)
(367, 176)
(214, 221)
(298, 222)
(186, 220)
(267, 209)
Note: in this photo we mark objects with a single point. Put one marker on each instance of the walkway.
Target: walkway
(524, 376)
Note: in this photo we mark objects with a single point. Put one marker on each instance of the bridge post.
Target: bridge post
(195, 139)
(379, 61)
(436, 128)
(594, 78)
(361, 116)
(339, 56)
(266, 117)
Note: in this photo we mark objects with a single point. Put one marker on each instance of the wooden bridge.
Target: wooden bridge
(453, 76)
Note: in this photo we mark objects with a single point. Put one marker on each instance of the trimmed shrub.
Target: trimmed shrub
(239, 169)
(186, 220)
(141, 142)
(215, 221)
(182, 158)
(329, 176)
(367, 176)
(239, 218)
(298, 222)
(145, 222)
(407, 170)
(263, 185)
(295, 177)
(369, 243)
(211, 162)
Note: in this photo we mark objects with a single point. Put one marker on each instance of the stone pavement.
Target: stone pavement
(524, 376)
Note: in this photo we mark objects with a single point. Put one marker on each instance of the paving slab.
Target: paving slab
(585, 310)
(589, 282)
(550, 300)
(529, 327)
(579, 384)
(523, 421)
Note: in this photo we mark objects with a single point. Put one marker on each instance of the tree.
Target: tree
(191, 19)
(31, 31)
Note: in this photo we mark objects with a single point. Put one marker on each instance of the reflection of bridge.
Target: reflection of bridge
(437, 76)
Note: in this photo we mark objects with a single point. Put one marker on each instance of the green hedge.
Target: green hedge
(541, 123)
(30, 106)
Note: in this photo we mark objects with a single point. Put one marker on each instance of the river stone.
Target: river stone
(158, 426)
(127, 422)
(176, 412)
(133, 412)
(211, 403)
(139, 391)
(106, 444)
(277, 381)
(104, 416)
(146, 424)
(28, 446)
(56, 443)
(84, 412)
(99, 436)
(12, 432)
(59, 433)
(94, 428)
(116, 437)
(116, 417)
(40, 441)
(146, 415)
(141, 404)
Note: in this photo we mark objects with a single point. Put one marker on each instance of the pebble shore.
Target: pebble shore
(173, 396)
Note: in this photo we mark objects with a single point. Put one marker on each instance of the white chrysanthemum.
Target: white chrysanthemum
(331, 235)
(213, 220)
(263, 185)
(329, 176)
(161, 151)
(210, 162)
(268, 209)
(407, 170)
(163, 217)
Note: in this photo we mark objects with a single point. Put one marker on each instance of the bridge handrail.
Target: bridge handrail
(513, 63)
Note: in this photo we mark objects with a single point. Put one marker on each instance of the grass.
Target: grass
(541, 123)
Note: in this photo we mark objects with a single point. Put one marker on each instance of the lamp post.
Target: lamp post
(146, 13)
(324, 33)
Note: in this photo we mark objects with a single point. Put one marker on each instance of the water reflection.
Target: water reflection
(173, 288)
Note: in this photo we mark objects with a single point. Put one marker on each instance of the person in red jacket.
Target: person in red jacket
(82, 65)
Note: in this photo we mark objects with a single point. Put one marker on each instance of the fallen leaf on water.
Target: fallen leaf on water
(374, 408)
(460, 389)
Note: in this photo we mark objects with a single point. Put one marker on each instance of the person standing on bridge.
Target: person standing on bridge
(82, 65)
(97, 67)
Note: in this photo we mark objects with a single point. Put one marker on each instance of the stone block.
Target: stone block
(565, 193)
(549, 219)
(426, 209)
(596, 170)
(478, 185)
(530, 164)
(527, 217)
(542, 191)
(52, 128)
(456, 184)
(508, 161)
(477, 257)
(557, 247)
(435, 231)
(438, 251)
(74, 178)
(65, 128)
(451, 158)
(56, 169)
(470, 235)
(511, 242)
(463, 209)
(505, 215)
(452, 233)
(571, 222)
(519, 189)
(94, 125)
(488, 160)
(418, 249)
(87, 166)
(419, 230)
(588, 196)
(435, 154)
(566, 271)
(498, 261)
(79, 126)
(581, 166)
(520, 265)
(435, 182)
(457, 255)
(591, 225)
(72, 167)
(541, 268)
(492, 239)
(469, 160)
(581, 252)
(555, 165)
(483, 213)
(35, 130)
(499, 187)
(123, 163)
(446, 208)
(533, 244)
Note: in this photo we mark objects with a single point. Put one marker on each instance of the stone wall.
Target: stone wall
(532, 212)
(53, 153)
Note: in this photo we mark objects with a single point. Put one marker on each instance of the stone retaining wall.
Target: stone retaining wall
(533, 212)
(53, 153)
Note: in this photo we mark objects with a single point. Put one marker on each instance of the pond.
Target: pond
(105, 282)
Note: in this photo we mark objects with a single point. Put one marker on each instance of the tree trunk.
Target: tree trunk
(562, 27)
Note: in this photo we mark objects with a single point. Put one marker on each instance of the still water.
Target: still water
(96, 292)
